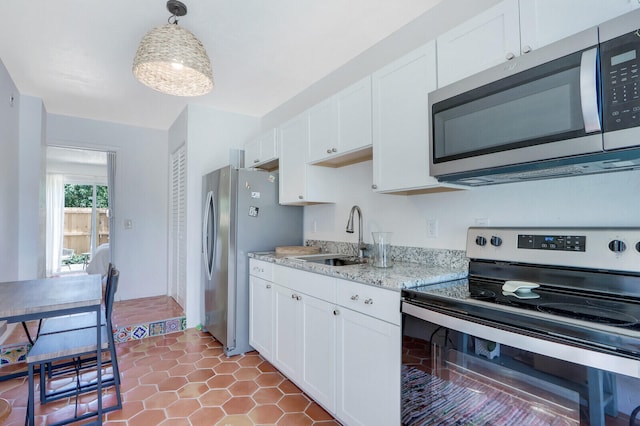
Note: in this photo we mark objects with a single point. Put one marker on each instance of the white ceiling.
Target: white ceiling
(77, 54)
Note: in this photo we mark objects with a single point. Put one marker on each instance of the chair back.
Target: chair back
(110, 291)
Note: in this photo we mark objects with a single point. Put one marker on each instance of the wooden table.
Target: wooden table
(50, 297)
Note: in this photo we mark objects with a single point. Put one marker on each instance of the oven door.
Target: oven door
(459, 368)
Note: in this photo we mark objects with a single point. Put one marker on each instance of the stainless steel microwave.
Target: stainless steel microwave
(570, 108)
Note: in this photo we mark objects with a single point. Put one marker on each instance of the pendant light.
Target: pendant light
(171, 60)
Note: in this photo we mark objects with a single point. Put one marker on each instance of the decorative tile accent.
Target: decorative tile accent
(123, 334)
(156, 328)
(173, 325)
(12, 355)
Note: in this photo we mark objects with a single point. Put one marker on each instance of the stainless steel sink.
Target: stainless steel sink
(332, 259)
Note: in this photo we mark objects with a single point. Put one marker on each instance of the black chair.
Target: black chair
(74, 352)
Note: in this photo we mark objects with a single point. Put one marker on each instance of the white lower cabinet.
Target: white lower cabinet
(329, 339)
(318, 340)
(368, 370)
(288, 329)
(261, 315)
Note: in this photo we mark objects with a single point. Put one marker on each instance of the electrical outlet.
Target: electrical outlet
(432, 228)
(482, 221)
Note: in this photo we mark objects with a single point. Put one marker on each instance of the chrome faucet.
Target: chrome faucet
(361, 245)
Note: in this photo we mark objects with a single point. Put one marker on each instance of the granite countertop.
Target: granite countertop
(457, 289)
(400, 275)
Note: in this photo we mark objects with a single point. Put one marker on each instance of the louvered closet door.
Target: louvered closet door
(177, 244)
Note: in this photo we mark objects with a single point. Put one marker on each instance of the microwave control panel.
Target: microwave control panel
(620, 64)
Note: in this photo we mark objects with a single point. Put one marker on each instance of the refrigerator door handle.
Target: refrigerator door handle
(209, 235)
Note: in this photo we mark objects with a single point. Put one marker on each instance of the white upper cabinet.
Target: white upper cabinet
(515, 27)
(479, 43)
(542, 21)
(262, 151)
(323, 130)
(340, 127)
(301, 183)
(401, 122)
(354, 117)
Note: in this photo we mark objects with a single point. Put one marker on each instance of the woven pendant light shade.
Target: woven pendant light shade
(171, 60)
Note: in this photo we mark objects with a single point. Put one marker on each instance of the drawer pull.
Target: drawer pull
(336, 312)
(355, 297)
(368, 301)
(268, 285)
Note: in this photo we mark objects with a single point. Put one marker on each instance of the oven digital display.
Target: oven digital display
(552, 242)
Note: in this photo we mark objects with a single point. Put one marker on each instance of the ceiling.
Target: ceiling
(76, 55)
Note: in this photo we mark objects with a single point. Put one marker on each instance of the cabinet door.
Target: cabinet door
(319, 350)
(288, 332)
(368, 370)
(252, 153)
(261, 316)
(294, 139)
(542, 22)
(323, 130)
(400, 121)
(479, 43)
(269, 145)
(354, 116)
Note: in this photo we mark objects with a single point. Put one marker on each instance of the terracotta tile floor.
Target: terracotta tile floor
(185, 379)
(148, 309)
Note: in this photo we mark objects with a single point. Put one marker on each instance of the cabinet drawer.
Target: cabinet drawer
(374, 301)
(316, 285)
(261, 269)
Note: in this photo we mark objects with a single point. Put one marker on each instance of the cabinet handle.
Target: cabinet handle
(329, 151)
(300, 197)
(298, 297)
(368, 301)
(526, 48)
(256, 161)
(334, 150)
(268, 285)
(355, 297)
(374, 186)
(293, 296)
(509, 56)
(336, 312)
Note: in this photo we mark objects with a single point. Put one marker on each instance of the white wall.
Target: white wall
(32, 204)
(9, 176)
(141, 195)
(598, 200)
(444, 16)
(210, 135)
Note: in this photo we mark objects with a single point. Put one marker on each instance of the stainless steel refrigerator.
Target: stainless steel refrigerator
(241, 214)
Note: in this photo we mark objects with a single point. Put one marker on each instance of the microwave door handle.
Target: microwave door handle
(589, 90)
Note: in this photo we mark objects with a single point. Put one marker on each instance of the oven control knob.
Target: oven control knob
(496, 241)
(481, 241)
(617, 246)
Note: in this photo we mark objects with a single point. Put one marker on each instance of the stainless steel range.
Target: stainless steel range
(563, 303)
